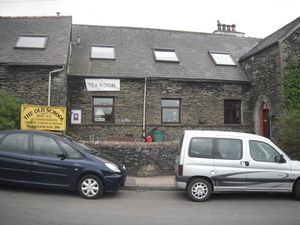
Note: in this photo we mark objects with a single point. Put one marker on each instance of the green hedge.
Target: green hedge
(9, 112)
(289, 121)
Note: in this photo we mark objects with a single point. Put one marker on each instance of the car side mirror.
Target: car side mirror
(280, 159)
(62, 156)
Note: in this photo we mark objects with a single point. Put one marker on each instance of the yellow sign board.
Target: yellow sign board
(36, 117)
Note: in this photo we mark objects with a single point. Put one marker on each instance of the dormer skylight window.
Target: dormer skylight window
(103, 52)
(222, 59)
(165, 55)
(32, 41)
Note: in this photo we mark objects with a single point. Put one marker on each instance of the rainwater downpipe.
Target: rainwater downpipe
(144, 110)
(49, 82)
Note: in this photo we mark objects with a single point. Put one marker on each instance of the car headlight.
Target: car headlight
(113, 167)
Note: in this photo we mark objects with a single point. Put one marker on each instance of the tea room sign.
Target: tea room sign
(102, 84)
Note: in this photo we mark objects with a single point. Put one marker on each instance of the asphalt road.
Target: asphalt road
(22, 206)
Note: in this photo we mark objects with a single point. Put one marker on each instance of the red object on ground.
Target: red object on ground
(149, 139)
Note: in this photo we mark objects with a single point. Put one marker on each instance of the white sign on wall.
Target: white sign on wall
(75, 116)
(102, 84)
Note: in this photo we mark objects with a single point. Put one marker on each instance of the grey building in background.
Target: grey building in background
(169, 81)
(123, 83)
(30, 48)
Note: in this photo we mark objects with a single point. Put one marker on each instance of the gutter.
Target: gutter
(49, 82)
(144, 110)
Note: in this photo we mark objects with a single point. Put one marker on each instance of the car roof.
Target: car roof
(30, 132)
(228, 134)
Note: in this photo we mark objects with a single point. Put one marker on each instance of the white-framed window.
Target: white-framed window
(171, 111)
(103, 109)
(222, 58)
(32, 41)
(102, 52)
(165, 55)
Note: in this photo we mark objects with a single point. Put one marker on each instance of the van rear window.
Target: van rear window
(201, 147)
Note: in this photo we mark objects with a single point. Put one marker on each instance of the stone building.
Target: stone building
(123, 83)
(31, 50)
(169, 81)
(264, 65)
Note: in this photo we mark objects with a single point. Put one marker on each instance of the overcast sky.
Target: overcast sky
(256, 18)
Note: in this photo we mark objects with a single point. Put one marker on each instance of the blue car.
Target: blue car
(52, 160)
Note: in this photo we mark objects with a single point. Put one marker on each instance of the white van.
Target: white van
(218, 161)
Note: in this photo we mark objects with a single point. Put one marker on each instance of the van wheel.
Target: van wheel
(90, 187)
(199, 190)
(297, 190)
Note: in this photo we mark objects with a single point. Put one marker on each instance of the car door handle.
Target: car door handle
(246, 163)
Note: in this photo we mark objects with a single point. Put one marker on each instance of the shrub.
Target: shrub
(289, 121)
(9, 112)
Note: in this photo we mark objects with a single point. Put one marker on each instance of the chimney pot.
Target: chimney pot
(223, 26)
(58, 13)
(228, 27)
(219, 25)
(233, 27)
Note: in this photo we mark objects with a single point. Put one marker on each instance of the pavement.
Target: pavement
(150, 183)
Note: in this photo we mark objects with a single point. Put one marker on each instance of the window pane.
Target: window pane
(103, 109)
(103, 114)
(103, 52)
(201, 147)
(45, 146)
(229, 149)
(261, 151)
(71, 152)
(170, 110)
(222, 58)
(232, 111)
(165, 55)
(15, 143)
(31, 42)
(170, 102)
(171, 115)
(103, 101)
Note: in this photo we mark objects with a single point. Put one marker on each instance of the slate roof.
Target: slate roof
(57, 28)
(134, 56)
(277, 36)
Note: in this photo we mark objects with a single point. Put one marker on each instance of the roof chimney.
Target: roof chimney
(78, 40)
(58, 13)
(227, 30)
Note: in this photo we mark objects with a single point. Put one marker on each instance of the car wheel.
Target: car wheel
(199, 190)
(90, 187)
(297, 190)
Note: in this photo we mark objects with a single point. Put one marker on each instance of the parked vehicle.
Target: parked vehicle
(216, 161)
(54, 160)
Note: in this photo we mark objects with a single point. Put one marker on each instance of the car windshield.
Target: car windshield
(86, 148)
(81, 145)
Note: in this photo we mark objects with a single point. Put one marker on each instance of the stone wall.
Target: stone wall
(30, 84)
(291, 47)
(264, 70)
(142, 159)
(202, 107)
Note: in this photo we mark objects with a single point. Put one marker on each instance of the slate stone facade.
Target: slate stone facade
(202, 107)
(291, 47)
(142, 159)
(266, 72)
(30, 84)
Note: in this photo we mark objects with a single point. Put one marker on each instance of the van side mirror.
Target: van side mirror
(280, 159)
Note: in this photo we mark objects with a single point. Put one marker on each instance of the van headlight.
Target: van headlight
(113, 167)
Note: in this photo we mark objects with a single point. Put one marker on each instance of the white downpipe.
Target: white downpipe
(144, 110)
(49, 82)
